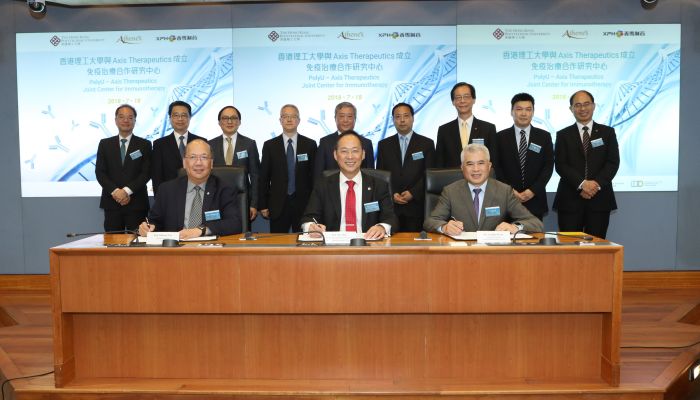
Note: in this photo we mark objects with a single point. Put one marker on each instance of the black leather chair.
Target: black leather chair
(435, 180)
(375, 173)
(234, 176)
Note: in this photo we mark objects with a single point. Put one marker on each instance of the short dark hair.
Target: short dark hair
(402, 105)
(180, 103)
(129, 106)
(348, 133)
(571, 99)
(460, 84)
(522, 97)
(218, 117)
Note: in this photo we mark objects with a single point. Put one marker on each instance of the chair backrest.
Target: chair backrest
(375, 173)
(435, 180)
(236, 177)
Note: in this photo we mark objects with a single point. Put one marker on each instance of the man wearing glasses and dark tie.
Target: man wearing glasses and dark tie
(198, 204)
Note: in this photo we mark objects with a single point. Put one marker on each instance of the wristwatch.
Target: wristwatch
(203, 228)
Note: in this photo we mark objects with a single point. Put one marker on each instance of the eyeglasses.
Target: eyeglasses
(125, 118)
(579, 106)
(287, 116)
(179, 116)
(464, 97)
(198, 157)
(229, 118)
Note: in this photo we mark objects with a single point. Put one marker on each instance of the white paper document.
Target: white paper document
(472, 236)
(333, 238)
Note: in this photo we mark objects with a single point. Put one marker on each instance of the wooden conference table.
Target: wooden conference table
(400, 310)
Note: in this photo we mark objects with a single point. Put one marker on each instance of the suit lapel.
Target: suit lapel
(180, 202)
(334, 184)
(488, 199)
(282, 152)
(367, 195)
(470, 205)
(207, 195)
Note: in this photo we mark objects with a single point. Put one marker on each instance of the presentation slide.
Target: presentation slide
(633, 72)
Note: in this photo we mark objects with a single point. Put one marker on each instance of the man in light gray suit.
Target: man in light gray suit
(479, 203)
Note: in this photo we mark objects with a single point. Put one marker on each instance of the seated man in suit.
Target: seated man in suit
(333, 204)
(195, 205)
(493, 206)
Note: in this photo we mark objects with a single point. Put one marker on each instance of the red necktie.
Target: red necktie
(350, 218)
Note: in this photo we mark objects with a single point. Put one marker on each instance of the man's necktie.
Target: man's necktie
(291, 184)
(229, 152)
(522, 152)
(122, 150)
(464, 133)
(586, 146)
(404, 146)
(477, 207)
(196, 209)
(350, 217)
(182, 146)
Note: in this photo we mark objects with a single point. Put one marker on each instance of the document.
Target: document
(472, 236)
(334, 237)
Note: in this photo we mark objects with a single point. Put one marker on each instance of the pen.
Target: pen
(315, 222)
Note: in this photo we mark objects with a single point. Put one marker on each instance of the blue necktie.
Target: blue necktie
(477, 207)
(404, 147)
(291, 186)
(122, 150)
(182, 146)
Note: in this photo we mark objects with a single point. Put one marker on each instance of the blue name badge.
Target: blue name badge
(492, 211)
(417, 156)
(371, 207)
(535, 147)
(478, 140)
(135, 154)
(213, 215)
(302, 157)
(242, 154)
(597, 143)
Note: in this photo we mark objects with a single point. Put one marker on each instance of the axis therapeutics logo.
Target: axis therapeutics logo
(498, 34)
(55, 40)
(351, 35)
(126, 39)
(273, 36)
(572, 34)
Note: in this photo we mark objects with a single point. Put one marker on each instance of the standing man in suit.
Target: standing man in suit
(525, 156)
(455, 135)
(350, 200)
(169, 150)
(285, 186)
(122, 168)
(345, 118)
(195, 205)
(479, 203)
(235, 150)
(406, 155)
(586, 157)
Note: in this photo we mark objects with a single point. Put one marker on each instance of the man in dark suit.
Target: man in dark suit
(350, 200)
(235, 150)
(525, 156)
(168, 150)
(406, 155)
(478, 203)
(586, 157)
(197, 204)
(453, 136)
(122, 168)
(285, 186)
(345, 118)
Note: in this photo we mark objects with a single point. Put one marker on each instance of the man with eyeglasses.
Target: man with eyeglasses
(586, 157)
(350, 200)
(526, 156)
(195, 205)
(169, 150)
(477, 203)
(231, 149)
(286, 174)
(122, 168)
(455, 135)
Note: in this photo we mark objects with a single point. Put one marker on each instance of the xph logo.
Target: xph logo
(55, 40)
(273, 36)
(498, 33)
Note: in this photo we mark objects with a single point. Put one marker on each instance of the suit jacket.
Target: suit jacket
(539, 165)
(449, 146)
(168, 212)
(135, 172)
(569, 161)
(166, 158)
(456, 201)
(411, 175)
(250, 161)
(273, 173)
(324, 203)
(324, 155)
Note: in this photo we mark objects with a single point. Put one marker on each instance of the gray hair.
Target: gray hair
(475, 148)
(343, 105)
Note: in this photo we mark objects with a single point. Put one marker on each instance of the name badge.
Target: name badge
(535, 147)
(135, 154)
(371, 207)
(302, 157)
(242, 154)
(492, 211)
(597, 143)
(478, 140)
(417, 156)
(213, 215)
